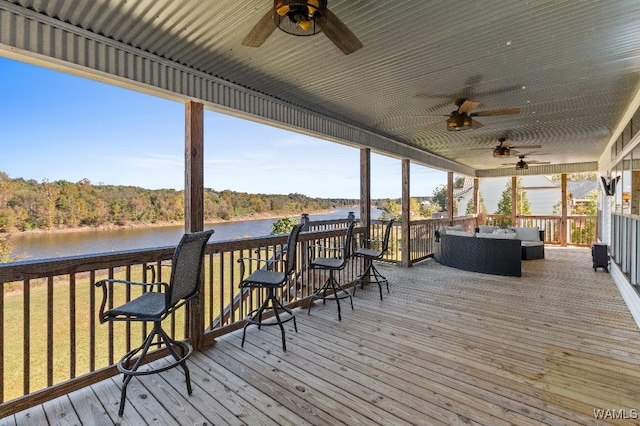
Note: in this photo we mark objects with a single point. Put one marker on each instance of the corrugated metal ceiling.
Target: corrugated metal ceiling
(571, 66)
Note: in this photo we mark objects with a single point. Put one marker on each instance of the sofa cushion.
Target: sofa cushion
(504, 231)
(532, 243)
(460, 233)
(498, 236)
(486, 229)
(528, 234)
(443, 229)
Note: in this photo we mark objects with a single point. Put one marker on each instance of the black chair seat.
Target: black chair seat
(148, 307)
(365, 252)
(327, 263)
(265, 278)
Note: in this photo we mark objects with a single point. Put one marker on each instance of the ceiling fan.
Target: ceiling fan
(505, 149)
(303, 18)
(523, 165)
(461, 119)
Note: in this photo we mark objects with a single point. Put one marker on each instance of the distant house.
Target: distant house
(578, 191)
(543, 193)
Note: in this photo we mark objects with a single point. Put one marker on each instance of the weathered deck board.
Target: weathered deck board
(443, 347)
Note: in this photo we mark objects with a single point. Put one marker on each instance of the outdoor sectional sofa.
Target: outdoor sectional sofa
(531, 238)
(490, 251)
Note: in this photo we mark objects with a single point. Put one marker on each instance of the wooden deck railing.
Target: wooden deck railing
(52, 342)
(580, 230)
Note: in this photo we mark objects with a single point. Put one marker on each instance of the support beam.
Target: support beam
(365, 189)
(194, 206)
(450, 197)
(563, 219)
(476, 202)
(406, 202)
(514, 200)
(194, 165)
(476, 199)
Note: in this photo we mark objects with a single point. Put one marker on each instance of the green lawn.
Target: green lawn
(14, 344)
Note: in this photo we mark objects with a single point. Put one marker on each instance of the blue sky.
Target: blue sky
(56, 126)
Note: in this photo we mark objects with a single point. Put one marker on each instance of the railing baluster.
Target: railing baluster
(127, 323)
(92, 321)
(72, 325)
(26, 371)
(50, 334)
(143, 329)
(211, 288)
(110, 325)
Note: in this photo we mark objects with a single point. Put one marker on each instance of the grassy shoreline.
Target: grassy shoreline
(110, 227)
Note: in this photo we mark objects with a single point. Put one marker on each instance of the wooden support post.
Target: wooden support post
(450, 197)
(514, 200)
(476, 201)
(406, 225)
(563, 219)
(476, 198)
(194, 207)
(365, 189)
(365, 201)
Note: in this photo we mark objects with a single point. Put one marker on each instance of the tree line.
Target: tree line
(28, 205)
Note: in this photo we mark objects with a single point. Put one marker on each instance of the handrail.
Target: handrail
(35, 292)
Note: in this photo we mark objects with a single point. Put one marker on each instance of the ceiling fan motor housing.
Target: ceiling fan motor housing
(458, 121)
(297, 17)
(501, 151)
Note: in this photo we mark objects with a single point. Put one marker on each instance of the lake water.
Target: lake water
(60, 244)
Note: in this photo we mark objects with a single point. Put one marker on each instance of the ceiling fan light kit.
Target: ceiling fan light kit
(501, 151)
(298, 17)
(521, 165)
(303, 18)
(457, 122)
(460, 119)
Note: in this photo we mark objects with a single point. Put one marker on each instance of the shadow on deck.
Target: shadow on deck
(444, 347)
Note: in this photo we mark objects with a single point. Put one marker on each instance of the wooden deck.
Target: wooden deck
(444, 347)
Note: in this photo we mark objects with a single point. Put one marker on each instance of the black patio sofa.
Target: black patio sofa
(485, 255)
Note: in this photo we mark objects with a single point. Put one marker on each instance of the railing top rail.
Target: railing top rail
(328, 222)
(534, 216)
(33, 269)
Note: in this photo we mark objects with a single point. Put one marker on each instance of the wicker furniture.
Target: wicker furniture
(531, 239)
(485, 255)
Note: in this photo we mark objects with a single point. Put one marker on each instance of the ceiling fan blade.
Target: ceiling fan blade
(538, 162)
(433, 125)
(476, 124)
(491, 112)
(527, 146)
(261, 31)
(513, 151)
(468, 106)
(338, 32)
